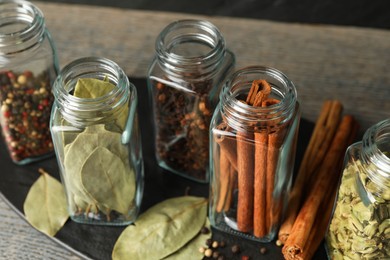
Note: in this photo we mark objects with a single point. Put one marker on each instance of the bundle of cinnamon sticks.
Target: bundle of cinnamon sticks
(248, 161)
(315, 186)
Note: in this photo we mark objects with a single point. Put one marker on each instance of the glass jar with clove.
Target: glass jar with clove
(253, 137)
(28, 67)
(95, 130)
(360, 223)
(184, 82)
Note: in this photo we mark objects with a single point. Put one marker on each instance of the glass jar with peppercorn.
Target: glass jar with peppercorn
(184, 81)
(28, 67)
(360, 223)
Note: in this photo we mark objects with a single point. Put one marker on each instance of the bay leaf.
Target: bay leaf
(162, 229)
(77, 153)
(45, 205)
(92, 88)
(190, 251)
(95, 88)
(106, 178)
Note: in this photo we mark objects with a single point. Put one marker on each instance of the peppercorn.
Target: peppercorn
(209, 242)
(205, 230)
(215, 254)
(222, 244)
(235, 249)
(214, 244)
(208, 252)
(263, 250)
(221, 257)
(245, 257)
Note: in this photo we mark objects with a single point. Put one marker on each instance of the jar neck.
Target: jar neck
(190, 49)
(243, 117)
(375, 154)
(87, 111)
(22, 26)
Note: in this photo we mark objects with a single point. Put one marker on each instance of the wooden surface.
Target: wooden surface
(347, 63)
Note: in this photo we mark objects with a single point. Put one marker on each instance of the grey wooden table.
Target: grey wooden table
(325, 62)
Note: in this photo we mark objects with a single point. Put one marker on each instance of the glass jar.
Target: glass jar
(184, 81)
(252, 153)
(28, 67)
(360, 223)
(94, 126)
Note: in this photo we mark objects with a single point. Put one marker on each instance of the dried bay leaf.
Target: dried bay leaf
(92, 88)
(106, 178)
(45, 205)
(162, 229)
(95, 88)
(84, 180)
(191, 250)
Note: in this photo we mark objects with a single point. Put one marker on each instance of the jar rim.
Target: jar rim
(91, 67)
(25, 13)
(216, 40)
(244, 116)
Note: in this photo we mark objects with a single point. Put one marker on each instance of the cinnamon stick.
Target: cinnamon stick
(303, 224)
(260, 206)
(323, 217)
(275, 140)
(227, 143)
(260, 228)
(247, 211)
(224, 181)
(227, 165)
(245, 163)
(322, 135)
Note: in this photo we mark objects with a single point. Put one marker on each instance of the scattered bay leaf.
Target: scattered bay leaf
(162, 229)
(190, 251)
(45, 205)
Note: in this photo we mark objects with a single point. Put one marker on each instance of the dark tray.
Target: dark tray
(97, 242)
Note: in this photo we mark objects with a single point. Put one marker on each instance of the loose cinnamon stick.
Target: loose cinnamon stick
(302, 227)
(326, 125)
(322, 219)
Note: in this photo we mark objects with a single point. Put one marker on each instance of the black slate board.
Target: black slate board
(97, 242)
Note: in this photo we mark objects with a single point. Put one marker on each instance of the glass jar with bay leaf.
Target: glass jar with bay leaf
(94, 125)
(360, 223)
(184, 80)
(28, 67)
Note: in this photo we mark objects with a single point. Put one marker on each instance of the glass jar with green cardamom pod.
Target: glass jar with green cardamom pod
(95, 131)
(360, 224)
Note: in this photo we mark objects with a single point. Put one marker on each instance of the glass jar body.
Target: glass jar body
(98, 145)
(28, 67)
(184, 80)
(360, 224)
(252, 154)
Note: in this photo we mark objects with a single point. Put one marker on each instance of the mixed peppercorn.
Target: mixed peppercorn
(25, 101)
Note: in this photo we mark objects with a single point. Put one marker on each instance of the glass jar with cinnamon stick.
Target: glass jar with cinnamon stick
(253, 137)
(360, 223)
(184, 81)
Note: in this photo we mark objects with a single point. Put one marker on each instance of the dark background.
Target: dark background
(362, 13)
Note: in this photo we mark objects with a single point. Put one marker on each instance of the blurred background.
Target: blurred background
(361, 13)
